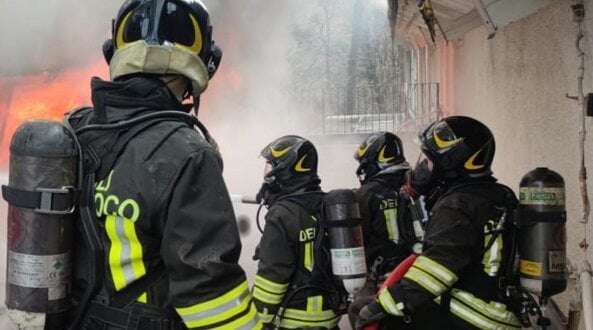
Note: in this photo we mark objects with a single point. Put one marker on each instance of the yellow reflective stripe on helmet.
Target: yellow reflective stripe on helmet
(270, 286)
(382, 158)
(119, 40)
(493, 256)
(299, 166)
(125, 251)
(196, 47)
(469, 164)
(308, 257)
(437, 270)
(391, 224)
(493, 311)
(363, 150)
(249, 321)
(442, 144)
(218, 309)
(389, 304)
(267, 297)
(426, 281)
(279, 153)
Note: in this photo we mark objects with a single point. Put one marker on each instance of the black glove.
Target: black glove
(371, 313)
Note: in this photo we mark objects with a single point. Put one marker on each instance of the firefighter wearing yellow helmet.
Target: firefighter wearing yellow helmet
(161, 245)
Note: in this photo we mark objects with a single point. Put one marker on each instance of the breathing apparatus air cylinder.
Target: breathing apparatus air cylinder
(342, 217)
(41, 198)
(542, 233)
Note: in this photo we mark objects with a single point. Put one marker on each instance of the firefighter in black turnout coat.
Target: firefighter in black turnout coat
(286, 251)
(166, 235)
(457, 282)
(387, 227)
(388, 233)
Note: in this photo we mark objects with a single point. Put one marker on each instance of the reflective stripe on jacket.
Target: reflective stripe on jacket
(286, 259)
(462, 260)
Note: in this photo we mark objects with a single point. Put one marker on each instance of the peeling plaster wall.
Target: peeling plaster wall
(516, 83)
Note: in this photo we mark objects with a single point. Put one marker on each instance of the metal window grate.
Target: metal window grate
(408, 108)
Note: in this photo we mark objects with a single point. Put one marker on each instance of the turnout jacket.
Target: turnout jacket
(387, 225)
(160, 201)
(286, 262)
(462, 261)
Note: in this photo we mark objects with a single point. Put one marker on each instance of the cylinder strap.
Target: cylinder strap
(341, 223)
(42, 200)
(528, 217)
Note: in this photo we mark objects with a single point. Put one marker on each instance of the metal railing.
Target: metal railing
(406, 108)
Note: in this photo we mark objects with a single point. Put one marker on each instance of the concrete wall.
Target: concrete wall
(516, 84)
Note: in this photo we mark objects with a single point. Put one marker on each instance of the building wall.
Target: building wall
(516, 84)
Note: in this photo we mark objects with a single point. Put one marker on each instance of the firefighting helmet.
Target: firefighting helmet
(453, 148)
(163, 37)
(291, 163)
(377, 153)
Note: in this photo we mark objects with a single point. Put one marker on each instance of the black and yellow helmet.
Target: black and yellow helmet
(292, 162)
(459, 146)
(378, 152)
(163, 37)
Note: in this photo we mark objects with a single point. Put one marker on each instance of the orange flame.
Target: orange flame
(44, 96)
(49, 95)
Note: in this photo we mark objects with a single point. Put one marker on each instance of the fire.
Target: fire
(49, 95)
(43, 96)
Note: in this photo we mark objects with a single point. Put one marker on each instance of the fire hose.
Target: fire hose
(396, 275)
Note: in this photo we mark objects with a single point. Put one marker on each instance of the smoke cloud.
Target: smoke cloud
(52, 35)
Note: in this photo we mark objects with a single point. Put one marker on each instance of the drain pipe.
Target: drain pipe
(587, 293)
(584, 286)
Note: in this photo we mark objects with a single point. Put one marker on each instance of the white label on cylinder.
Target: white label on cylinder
(350, 261)
(38, 271)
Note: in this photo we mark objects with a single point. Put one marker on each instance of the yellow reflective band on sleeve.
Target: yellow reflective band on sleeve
(249, 321)
(426, 281)
(270, 286)
(313, 317)
(475, 309)
(305, 316)
(389, 304)
(267, 297)
(391, 224)
(125, 252)
(493, 255)
(437, 270)
(298, 319)
(213, 311)
(308, 259)
(296, 324)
